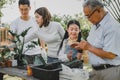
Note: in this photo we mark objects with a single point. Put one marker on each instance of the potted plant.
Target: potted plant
(5, 57)
(18, 46)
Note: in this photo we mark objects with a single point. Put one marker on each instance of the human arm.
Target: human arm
(61, 31)
(30, 37)
(42, 43)
(97, 51)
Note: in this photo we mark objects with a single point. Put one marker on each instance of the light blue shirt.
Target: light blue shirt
(107, 37)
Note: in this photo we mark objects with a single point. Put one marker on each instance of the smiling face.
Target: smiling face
(39, 19)
(73, 31)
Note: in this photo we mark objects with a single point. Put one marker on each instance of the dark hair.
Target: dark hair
(24, 2)
(43, 11)
(66, 33)
(77, 23)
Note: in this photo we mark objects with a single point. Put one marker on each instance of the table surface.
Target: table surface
(17, 72)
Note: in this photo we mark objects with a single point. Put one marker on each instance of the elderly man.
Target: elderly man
(103, 42)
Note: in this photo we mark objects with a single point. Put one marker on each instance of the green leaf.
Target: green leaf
(11, 32)
(24, 32)
(34, 42)
(42, 60)
(30, 46)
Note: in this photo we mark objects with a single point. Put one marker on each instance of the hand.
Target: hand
(79, 55)
(69, 55)
(84, 45)
(75, 45)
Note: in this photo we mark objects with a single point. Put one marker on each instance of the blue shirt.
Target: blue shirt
(107, 37)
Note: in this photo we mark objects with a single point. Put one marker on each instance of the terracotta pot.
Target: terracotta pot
(9, 63)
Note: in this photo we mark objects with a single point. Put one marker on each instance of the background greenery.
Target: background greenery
(2, 5)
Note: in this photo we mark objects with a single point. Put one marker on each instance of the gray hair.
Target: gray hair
(93, 4)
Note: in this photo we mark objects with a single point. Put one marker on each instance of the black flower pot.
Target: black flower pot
(20, 62)
(74, 64)
(1, 76)
(19, 59)
(47, 72)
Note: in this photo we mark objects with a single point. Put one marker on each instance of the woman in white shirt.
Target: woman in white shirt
(50, 32)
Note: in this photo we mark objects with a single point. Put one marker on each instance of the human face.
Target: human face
(24, 9)
(39, 19)
(73, 31)
(92, 15)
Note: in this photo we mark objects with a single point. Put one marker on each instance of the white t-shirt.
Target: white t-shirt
(19, 25)
(52, 35)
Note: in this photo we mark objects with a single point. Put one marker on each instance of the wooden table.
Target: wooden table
(16, 72)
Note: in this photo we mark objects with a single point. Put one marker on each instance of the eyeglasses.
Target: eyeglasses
(89, 15)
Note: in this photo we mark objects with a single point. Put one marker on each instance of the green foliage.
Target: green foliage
(4, 54)
(24, 32)
(85, 33)
(1, 14)
(19, 44)
(85, 25)
(56, 18)
(2, 4)
(66, 18)
(62, 19)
